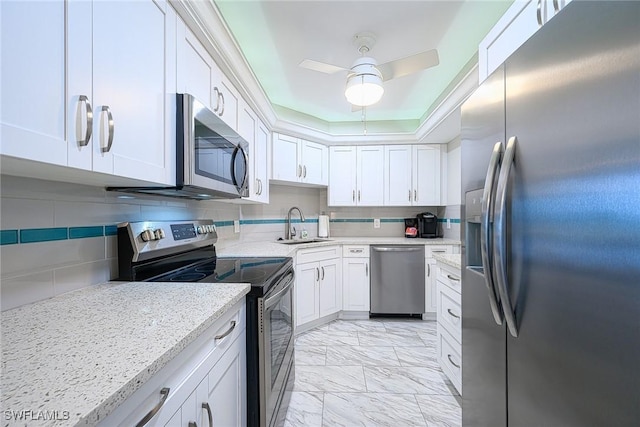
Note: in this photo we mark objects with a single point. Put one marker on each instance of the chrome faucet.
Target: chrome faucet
(288, 234)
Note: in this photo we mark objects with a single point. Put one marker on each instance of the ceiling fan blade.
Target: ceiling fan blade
(355, 108)
(322, 67)
(410, 64)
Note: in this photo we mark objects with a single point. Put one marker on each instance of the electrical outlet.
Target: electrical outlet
(376, 223)
(448, 223)
(236, 226)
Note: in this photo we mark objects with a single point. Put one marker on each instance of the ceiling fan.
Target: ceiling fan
(364, 81)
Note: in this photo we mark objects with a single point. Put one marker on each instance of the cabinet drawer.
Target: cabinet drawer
(317, 254)
(449, 357)
(449, 314)
(449, 277)
(355, 251)
(429, 250)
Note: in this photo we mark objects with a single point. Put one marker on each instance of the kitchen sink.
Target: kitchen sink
(301, 241)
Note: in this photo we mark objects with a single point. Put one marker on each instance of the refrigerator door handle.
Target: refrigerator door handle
(488, 200)
(500, 236)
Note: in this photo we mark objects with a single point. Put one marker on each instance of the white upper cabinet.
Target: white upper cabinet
(356, 177)
(299, 161)
(516, 26)
(131, 65)
(33, 81)
(412, 175)
(116, 84)
(257, 135)
(229, 102)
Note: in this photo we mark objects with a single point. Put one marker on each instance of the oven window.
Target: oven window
(214, 155)
(281, 332)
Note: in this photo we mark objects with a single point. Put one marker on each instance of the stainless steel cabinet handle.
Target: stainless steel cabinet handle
(500, 236)
(439, 251)
(216, 92)
(539, 13)
(89, 123)
(299, 174)
(164, 393)
(105, 108)
(452, 362)
(358, 195)
(304, 171)
(222, 104)
(452, 313)
(193, 424)
(556, 6)
(322, 268)
(353, 195)
(257, 187)
(260, 182)
(366, 269)
(409, 195)
(205, 405)
(428, 270)
(356, 251)
(227, 332)
(415, 195)
(454, 278)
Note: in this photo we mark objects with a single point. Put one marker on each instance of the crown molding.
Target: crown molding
(205, 20)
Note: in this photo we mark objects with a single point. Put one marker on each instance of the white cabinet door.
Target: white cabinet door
(342, 176)
(398, 189)
(307, 292)
(314, 163)
(196, 69)
(370, 178)
(229, 102)
(261, 164)
(330, 292)
(129, 89)
(426, 175)
(33, 81)
(355, 284)
(285, 158)
(227, 388)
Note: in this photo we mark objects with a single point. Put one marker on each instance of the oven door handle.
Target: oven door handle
(272, 300)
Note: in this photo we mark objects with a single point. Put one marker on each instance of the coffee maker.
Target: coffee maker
(411, 227)
(427, 225)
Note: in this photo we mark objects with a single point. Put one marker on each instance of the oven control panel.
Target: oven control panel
(148, 239)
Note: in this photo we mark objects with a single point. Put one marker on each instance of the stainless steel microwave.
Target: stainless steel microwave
(211, 158)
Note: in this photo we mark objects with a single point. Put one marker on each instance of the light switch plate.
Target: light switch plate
(376, 223)
(236, 226)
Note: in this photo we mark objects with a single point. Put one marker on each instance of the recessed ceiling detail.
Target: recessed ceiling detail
(276, 36)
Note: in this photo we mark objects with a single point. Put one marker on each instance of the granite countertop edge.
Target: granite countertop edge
(453, 260)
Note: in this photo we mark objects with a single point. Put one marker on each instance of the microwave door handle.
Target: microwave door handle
(500, 237)
(488, 201)
(241, 186)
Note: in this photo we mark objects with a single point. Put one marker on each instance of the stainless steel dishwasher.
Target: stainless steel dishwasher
(397, 280)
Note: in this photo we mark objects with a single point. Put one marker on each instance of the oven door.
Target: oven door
(276, 346)
(215, 156)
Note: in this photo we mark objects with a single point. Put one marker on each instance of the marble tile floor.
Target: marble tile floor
(373, 373)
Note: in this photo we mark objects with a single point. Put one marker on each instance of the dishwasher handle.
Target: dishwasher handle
(397, 249)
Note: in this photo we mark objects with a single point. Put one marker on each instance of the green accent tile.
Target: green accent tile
(8, 237)
(83, 232)
(32, 235)
(110, 230)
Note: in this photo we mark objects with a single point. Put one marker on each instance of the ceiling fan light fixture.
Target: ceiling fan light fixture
(364, 89)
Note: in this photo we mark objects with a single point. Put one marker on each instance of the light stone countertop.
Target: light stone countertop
(274, 249)
(87, 351)
(453, 260)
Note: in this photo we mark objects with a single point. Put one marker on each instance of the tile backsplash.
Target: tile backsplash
(56, 237)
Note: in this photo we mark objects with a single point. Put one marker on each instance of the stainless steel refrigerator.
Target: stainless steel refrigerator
(551, 240)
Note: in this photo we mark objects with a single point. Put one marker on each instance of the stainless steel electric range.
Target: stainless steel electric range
(184, 251)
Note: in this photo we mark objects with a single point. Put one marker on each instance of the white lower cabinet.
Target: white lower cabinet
(449, 315)
(430, 292)
(355, 278)
(207, 379)
(318, 283)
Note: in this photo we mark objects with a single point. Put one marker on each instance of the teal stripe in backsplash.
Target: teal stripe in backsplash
(8, 237)
(33, 235)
